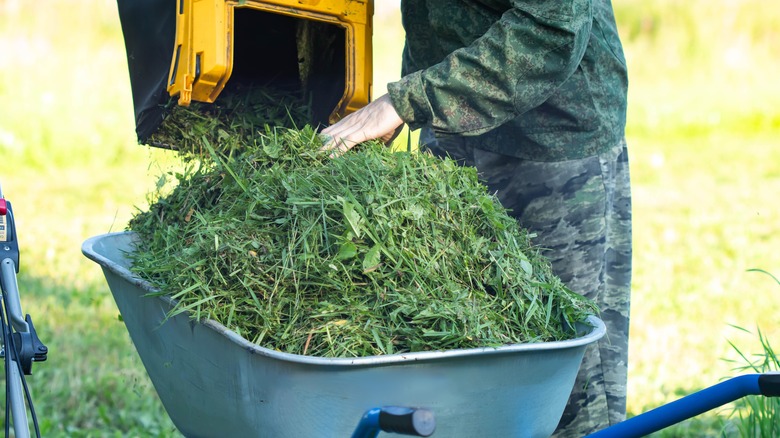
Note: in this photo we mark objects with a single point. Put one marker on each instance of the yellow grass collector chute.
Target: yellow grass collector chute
(321, 46)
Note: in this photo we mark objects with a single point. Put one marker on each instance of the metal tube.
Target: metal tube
(369, 425)
(16, 398)
(684, 408)
(11, 292)
(14, 378)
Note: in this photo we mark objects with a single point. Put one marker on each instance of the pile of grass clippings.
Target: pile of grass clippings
(375, 252)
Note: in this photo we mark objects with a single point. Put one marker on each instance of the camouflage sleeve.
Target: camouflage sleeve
(515, 66)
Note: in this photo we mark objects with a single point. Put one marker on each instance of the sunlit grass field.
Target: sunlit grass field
(704, 133)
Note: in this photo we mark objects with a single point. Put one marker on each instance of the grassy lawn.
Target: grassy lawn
(704, 132)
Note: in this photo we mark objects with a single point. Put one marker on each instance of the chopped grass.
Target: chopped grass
(231, 121)
(375, 252)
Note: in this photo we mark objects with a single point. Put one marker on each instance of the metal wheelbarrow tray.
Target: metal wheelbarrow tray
(212, 382)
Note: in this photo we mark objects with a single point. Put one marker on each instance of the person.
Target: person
(533, 94)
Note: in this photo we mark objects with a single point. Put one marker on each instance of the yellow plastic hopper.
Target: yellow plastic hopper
(323, 46)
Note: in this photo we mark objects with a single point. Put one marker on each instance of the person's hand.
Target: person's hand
(377, 120)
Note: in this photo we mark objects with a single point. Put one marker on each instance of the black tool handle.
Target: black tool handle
(769, 384)
(407, 421)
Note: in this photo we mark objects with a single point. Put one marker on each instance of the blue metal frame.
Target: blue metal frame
(693, 405)
(369, 425)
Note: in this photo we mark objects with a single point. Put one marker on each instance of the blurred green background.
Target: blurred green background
(704, 136)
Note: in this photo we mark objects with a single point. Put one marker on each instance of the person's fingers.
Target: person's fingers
(338, 147)
(354, 132)
(336, 134)
(341, 141)
(344, 137)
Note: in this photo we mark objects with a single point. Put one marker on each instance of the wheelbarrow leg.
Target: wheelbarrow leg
(767, 384)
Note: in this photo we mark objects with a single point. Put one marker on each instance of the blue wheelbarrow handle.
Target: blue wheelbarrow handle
(767, 384)
(395, 419)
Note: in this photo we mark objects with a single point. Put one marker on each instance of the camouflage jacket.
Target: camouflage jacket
(538, 79)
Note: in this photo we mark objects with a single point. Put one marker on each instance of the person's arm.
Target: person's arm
(515, 66)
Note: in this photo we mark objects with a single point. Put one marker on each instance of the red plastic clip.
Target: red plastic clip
(3, 207)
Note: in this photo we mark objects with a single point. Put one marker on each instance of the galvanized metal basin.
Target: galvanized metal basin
(214, 383)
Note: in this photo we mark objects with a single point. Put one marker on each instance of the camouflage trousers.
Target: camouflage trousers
(580, 211)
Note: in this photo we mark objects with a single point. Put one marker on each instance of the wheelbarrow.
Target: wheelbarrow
(213, 382)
